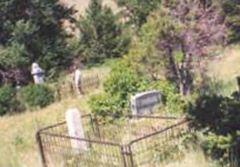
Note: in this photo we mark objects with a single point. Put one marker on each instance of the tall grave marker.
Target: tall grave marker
(75, 130)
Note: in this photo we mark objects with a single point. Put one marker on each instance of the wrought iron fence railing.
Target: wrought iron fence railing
(129, 141)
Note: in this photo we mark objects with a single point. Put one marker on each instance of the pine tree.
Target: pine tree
(137, 11)
(231, 10)
(31, 30)
(101, 34)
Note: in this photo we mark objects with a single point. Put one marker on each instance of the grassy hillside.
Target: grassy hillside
(225, 69)
(18, 146)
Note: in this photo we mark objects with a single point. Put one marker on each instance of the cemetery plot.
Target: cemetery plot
(89, 82)
(127, 141)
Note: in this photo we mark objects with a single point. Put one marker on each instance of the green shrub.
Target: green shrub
(8, 100)
(173, 101)
(124, 82)
(175, 104)
(119, 86)
(218, 118)
(36, 96)
(103, 104)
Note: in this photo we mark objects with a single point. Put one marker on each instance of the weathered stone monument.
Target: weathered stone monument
(145, 102)
(75, 130)
(37, 73)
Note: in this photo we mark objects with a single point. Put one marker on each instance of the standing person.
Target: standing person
(37, 73)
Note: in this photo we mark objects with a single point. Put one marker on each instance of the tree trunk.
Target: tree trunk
(185, 77)
(186, 83)
(174, 75)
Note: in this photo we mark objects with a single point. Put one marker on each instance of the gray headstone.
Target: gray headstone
(145, 102)
(37, 73)
(75, 129)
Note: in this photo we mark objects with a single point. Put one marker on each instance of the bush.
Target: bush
(36, 96)
(103, 104)
(218, 118)
(173, 101)
(124, 82)
(8, 100)
(120, 85)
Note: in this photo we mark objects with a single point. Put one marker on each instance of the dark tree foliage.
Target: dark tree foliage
(31, 30)
(138, 10)
(101, 36)
(218, 118)
(231, 9)
(8, 100)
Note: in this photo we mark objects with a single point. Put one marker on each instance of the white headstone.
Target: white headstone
(145, 102)
(77, 80)
(75, 129)
(37, 73)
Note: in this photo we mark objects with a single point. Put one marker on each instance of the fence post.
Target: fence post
(97, 127)
(92, 124)
(41, 151)
(127, 156)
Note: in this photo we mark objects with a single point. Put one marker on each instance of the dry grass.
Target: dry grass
(225, 70)
(192, 159)
(81, 5)
(17, 145)
(228, 67)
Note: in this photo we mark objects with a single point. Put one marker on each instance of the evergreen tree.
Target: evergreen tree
(31, 30)
(138, 10)
(101, 35)
(231, 9)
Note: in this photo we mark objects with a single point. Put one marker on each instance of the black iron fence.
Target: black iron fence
(129, 141)
(90, 82)
(87, 84)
